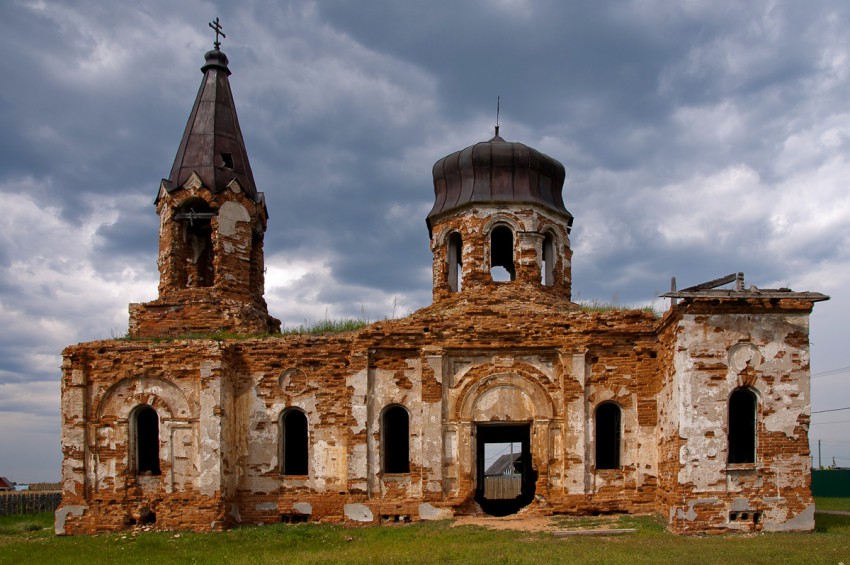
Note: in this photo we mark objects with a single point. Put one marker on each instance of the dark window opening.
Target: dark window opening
(455, 261)
(295, 443)
(548, 266)
(395, 430)
(505, 476)
(147, 516)
(256, 283)
(395, 519)
(197, 251)
(742, 426)
(294, 518)
(608, 435)
(147, 441)
(502, 254)
(227, 159)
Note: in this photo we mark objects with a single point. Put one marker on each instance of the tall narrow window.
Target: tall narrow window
(294, 442)
(145, 424)
(256, 281)
(502, 254)
(548, 274)
(197, 246)
(742, 426)
(455, 262)
(395, 440)
(608, 428)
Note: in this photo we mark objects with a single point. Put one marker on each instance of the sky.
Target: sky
(700, 138)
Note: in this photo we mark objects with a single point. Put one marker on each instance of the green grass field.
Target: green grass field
(30, 539)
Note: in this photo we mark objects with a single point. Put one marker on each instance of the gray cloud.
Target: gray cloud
(699, 139)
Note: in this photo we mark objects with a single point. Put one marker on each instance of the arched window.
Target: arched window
(197, 251)
(145, 424)
(502, 254)
(548, 267)
(294, 442)
(742, 426)
(455, 261)
(395, 440)
(608, 434)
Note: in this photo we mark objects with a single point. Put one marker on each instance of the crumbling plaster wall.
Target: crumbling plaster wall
(765, 350)
(220, 404)
(103, 382)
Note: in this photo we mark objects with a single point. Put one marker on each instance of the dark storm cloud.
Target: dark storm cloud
(699, 138)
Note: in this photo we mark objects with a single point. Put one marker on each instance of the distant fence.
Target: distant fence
(502, 487)
(26, 502)
(831, 482)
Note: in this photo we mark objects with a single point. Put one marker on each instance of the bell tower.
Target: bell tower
(499, 218)
(212, 224)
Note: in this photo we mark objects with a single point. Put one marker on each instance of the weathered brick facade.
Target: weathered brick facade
(487, 362)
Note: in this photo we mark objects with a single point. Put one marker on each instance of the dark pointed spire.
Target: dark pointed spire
(212, 144)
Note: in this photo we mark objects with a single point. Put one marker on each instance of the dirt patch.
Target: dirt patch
(522, 523)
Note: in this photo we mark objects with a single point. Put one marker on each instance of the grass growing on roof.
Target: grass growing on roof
(322, 327)
(613, 306)
(326, 326)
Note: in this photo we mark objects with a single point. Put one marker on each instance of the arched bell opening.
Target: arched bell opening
(455, 262)
(196, 246)
(547, 274)
(502, 266)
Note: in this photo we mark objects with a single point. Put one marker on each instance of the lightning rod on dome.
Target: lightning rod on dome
(498, 100)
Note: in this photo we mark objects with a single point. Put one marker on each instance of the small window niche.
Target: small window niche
(608, 435)
(455, 262)
(502, 268)
(145, 434)
(227, 161)
(742, 427)
(395, 440)
(294, 442)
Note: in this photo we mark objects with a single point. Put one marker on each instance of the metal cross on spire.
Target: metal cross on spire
(217, 27)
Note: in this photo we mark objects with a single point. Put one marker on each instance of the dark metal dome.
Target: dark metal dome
(497, 171)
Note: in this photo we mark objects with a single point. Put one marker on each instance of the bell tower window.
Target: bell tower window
(548, 267)
(455, 262)
(502, 254)
(197, 245)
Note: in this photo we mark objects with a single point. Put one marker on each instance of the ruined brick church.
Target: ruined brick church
(700, 414)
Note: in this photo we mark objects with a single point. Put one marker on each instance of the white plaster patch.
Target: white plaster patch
(62, 514)
(228, 215)
(802, 522)
(503, 403)
(358, 513)
(430, 512)
(303, 507)
(783, 420)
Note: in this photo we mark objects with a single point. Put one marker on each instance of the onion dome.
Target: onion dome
(497, 171)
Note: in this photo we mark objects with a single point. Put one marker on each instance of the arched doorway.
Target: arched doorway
(505, 475)
(505, 458)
